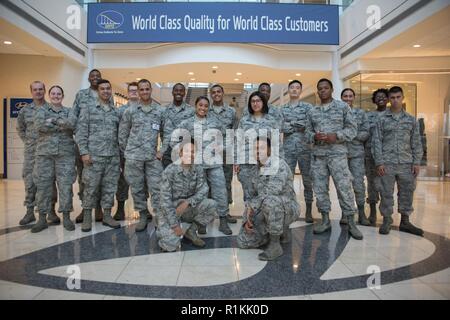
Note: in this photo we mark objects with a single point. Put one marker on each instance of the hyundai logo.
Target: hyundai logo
(110, 20)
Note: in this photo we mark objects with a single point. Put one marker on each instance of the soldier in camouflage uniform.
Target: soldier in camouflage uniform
(123, 187)
(28, 133)
(397, 151)
(296, 148)
(174, 114)
(356, 155)
(86, 97)
(274, 111)
(184, 193)
(96, 135)
(262, 123)
(329, 127)
(272, 207)
(380, 98)
(55, 158)
(227, 116)
(139, 130)
(209, 155)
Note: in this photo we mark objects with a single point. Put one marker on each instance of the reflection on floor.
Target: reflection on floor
(120, 264)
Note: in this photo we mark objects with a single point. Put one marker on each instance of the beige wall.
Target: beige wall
(18, 71)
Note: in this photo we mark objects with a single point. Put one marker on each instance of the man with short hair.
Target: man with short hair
(397, 151)
(174, 113)
(296, 147)
(139, 130)
(27, 131)
(329, 127)
(271, 208)
(227, 117)
(123, 187)
(99, 149)
(86, 97)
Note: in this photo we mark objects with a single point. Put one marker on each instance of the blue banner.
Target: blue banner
(16, 104)
(213, 22)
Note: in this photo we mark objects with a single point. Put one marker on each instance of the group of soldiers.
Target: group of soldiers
(135, 146)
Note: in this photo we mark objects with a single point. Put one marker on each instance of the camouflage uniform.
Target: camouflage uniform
(213, 171)
(247, 169)
(371, 171)
(296, 148)
(331, 159)
(356, 155)
(274, 111)
(28, 133)
(227, 116)
(180, 184)
(122, 186)
(83, 97)
(138, 139)
(96, 136)
(173, 116)
(396, 145)
(274, 204)
(55, 157)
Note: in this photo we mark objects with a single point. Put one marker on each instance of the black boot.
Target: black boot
(308, 214)
(386, 226)
(109, 221)
(343, 220)
(286, 237)
(87, 220)
(52, 218)
(324, 225)
(41, 224)
(223, 226)
(143, 220)
(231, 219)
(29, 217)
(68, 225)
(273, 250)
(120, 213)
(407, 226)
(373, 214)
(353, 230)
(362, 220)
(79, 218)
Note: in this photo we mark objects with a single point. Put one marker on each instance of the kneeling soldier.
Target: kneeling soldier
(272, 207)
(184, 198)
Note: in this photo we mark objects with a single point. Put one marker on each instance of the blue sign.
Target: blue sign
(213, 22)
(16, 104)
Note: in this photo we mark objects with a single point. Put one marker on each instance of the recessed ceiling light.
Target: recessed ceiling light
(138, 79)
(417, 46)
(236, 79)
(298, 74)
(290, 80)
(215, 67)
(239, 73)
(192, 79)
(190, 73)
(7, 42)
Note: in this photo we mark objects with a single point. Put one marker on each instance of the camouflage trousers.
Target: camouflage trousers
(122, 186)
(143, 176)
(356, 166)
(202, 214)
(274, 214)
(245, 176)
(303, 158)
(406, 184)
(217, 189)
(336, 166)
(100, 182)
(49, 169)
(30, 186)
(228, 173)
(373, 194)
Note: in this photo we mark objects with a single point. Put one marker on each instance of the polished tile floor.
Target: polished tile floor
(120, 264)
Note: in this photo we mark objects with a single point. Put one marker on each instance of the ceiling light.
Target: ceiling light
(239, 73)
(190, 73)
(192, 79)
(298, 74)
(290, 80)
(138, 79)
(236, 79)
(7, 42)
(215, 67)
(417, 46)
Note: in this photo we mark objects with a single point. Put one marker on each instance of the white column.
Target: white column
(335, 77)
